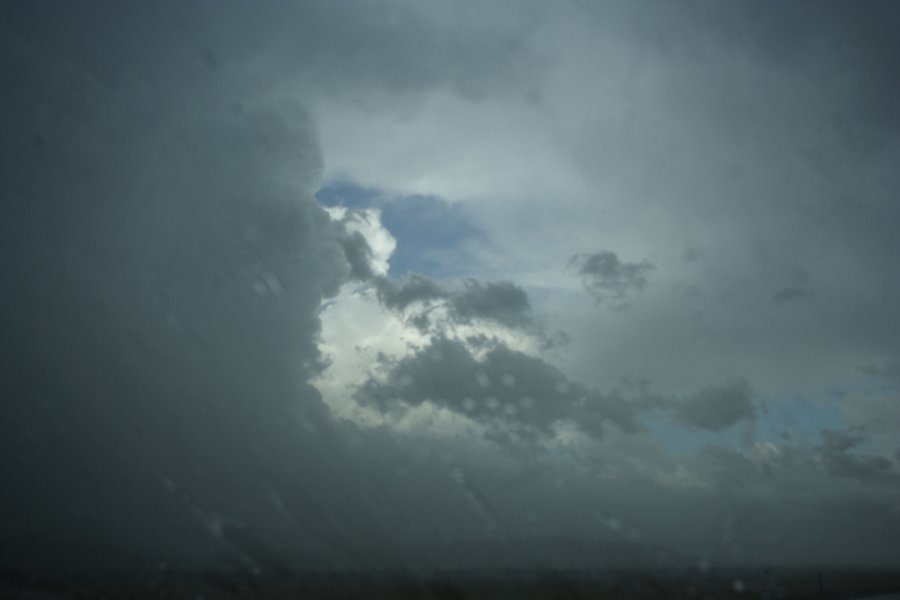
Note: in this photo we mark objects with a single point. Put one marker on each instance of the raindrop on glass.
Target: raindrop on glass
(260, 287)
(483, 380)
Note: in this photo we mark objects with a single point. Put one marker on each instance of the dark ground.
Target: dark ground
(774, 584)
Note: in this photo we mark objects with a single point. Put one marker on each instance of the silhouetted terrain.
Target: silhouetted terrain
(771, 584)
(521, 568)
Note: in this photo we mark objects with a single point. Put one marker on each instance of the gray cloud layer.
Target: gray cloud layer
(164, 266)
(166, 261)
(505, 388)
(471, 302)
(608, 279)
(718, 407)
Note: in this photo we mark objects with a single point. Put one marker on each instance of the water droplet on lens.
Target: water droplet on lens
(482, 378)
(260, 287)
(273, 283)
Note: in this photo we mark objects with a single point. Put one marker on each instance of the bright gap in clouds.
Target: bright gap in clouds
(407, 236)
(434, 237)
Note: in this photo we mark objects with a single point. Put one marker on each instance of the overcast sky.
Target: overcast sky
(320, 282)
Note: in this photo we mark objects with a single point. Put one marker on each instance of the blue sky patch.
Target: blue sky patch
(802, 417)
(686, 441)
(434, 237)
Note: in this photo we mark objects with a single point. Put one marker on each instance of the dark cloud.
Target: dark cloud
(887, 369)
(414, 289)
(359, 255)
(729, 465)
(811, 34)
(719, 407)
(788, 295)
(797, 288)
(164, 323)
(166, 262)
(400, 49)
(837, 458)
(505, 389)
(608, 279)
(842, 440)
(471, 302)
(502, 302)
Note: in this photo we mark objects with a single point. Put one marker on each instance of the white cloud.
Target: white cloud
(367, 222)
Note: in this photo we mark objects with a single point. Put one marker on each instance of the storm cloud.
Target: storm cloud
(838, 458)
(505, 388)
(608, 279)
(469, 302)
(167, 261)
(718, 407)
(205, 366)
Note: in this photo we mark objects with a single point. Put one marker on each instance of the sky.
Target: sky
(377, 282)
